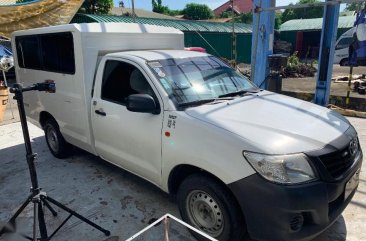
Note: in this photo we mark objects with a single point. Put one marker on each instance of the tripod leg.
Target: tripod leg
(54, 213)
(41, 222)
(11, 221)
(106, 232)
(35, 211)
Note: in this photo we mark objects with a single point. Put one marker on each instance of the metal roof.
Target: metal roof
(315, 24)
(183, 25)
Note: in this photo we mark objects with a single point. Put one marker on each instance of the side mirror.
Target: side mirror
(141, 103)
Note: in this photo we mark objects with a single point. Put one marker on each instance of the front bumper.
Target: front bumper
(273, 212)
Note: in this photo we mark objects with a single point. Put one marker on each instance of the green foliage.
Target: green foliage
(22, 1)
(96, 6)
(303, 13)
(295, 68)
(158, 7)
(175, 12)
(246, 18)
(278, 20)
(197, 11)
(355, 6)
(226, 14)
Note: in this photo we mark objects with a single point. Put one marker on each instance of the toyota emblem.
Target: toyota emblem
(353, 147)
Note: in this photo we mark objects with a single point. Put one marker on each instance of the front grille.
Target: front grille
(339, 162)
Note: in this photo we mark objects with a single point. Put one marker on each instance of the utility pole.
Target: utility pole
(327, 42)
(133, 11)
(233, 46)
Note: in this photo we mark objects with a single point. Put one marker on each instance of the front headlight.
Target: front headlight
(285, 169)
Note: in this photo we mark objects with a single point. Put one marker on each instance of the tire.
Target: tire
(207, 205)
(344, 62)
(55, 141)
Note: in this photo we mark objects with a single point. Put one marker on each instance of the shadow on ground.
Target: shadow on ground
(113, 198)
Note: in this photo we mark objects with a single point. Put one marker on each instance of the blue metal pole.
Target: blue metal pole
(262, 41)
(326, 55)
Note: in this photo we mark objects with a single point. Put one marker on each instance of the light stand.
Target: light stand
(38, 198)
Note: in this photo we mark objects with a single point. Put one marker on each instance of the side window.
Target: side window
(344, 43)
(58, 53)
(48, 52)
(28, 52)
(121, 80)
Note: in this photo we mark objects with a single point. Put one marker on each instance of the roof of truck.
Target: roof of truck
(102, 28)
(150, 55)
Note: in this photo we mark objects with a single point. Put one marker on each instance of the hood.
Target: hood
(273, 123)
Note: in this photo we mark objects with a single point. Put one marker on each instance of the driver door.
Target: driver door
(128, 139)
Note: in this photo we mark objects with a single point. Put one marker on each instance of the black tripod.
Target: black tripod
(38, 198)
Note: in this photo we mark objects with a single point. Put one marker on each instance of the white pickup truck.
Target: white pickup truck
(242, 162)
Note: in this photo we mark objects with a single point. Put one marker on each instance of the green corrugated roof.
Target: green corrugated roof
(183, 25)
(315, 24)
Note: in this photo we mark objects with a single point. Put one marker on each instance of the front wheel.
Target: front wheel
(55, 141)
(207, 205)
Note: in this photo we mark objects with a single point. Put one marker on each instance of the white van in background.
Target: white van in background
(341, 47)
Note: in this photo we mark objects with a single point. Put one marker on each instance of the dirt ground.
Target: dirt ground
(308, 84)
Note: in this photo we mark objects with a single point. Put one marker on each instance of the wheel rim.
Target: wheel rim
(205, 213)
(52, 139)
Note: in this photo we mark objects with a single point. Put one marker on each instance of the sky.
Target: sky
(179, 4)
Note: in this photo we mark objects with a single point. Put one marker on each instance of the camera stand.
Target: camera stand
(37, 197)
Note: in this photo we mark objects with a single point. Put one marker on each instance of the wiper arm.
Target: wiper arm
(233, 93)
(239, 92)
(196, 102)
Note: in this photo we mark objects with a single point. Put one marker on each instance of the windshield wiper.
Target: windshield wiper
(196, 102)
(239, 92)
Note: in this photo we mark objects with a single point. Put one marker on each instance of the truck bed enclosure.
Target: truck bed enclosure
(70, 105)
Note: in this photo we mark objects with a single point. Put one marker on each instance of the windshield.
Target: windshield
(199, 79)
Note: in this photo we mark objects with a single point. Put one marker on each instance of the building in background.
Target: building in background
(304, 34)
(240, 6)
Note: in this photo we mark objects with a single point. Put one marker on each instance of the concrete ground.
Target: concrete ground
(116, 199)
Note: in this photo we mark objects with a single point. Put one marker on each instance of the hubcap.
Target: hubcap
(205, 213)
(52, 139)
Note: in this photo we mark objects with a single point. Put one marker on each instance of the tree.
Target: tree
(197, 11)
(303, 13)
(278, 20)
(355, 6)
(96, 6)
(158, 7)
(248, 19)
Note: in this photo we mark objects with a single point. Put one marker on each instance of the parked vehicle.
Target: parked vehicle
(341, 54)
(241, 161)
(358, 46)
(5, 52)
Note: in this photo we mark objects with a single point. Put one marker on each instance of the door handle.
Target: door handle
(99, 112)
